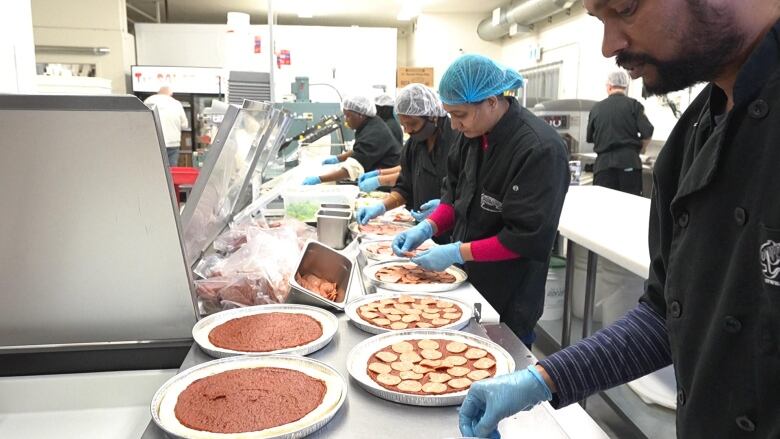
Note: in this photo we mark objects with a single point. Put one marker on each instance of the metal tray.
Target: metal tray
(165, 398)
(351, 311)
(357, 361)
(202, 329)
(371, 269)
(322, 261)
(357, 234)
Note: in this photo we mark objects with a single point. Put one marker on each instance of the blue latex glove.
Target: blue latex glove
(366, 175)
(332, 160)
(310, 181)
(410, 239)
(439, 257)
(369, 184)
(492, 400)
(425, 210)
(366, 214)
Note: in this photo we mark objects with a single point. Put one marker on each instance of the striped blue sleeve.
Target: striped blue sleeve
(632, 347)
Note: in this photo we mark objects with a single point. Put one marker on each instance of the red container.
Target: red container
(183, 176)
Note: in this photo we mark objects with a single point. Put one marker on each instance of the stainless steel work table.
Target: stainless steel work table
(364, 415)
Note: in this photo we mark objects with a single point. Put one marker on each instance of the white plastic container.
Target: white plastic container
(303, 202)
(553, 292)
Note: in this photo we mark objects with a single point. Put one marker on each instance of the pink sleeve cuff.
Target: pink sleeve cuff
(443, 217)
(491, 250)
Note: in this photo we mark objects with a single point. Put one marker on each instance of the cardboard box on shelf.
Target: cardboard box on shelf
(409, 75)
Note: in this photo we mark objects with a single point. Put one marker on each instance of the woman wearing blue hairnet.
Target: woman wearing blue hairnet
(423, 159)
(507, 176)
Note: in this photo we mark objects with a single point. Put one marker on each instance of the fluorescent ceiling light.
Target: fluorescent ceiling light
(496, 19)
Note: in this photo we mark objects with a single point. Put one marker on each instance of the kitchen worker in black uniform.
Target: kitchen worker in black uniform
(423, 159)
(375, 147)
(507, 176)
(712, 301)
(384, 110)
(620, 131)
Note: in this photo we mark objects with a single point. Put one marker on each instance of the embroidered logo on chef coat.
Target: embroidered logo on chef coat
(490, 204)
(770, 262)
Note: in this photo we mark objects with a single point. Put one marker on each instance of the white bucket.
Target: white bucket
(553, 294)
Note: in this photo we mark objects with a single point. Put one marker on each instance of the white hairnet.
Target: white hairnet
(384, 100)
(618, 78)
(419, 100)
(361, 105)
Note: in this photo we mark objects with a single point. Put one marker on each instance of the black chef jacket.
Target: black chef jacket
(514, 190)
(616, 126)
(715, 254)
(375, 146)
(423, 172)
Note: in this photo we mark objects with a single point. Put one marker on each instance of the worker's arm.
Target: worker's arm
(344, 156)
(183, 119)
(395, 199)
(390, 171)
(387, 180)
(337, 175)
(633, 346)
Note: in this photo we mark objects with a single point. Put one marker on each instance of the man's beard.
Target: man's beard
(711, 42)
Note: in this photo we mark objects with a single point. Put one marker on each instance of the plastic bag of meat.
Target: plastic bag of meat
(234, 291)
(237, 234)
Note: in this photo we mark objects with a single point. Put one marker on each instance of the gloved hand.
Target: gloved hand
(492, 400)
(439, 257)
(410, 239)
(332, 160)
(310, 181)
(374, 173)
(425, 210)
(369, 184)
(366, 214)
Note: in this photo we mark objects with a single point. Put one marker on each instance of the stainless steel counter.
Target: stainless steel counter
(364, 415)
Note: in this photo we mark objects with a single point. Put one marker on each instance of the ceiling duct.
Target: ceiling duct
(523, 13)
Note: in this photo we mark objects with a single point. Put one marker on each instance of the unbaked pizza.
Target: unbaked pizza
(430, 366)
(407, 312)
(248, 400)
(266, 332)
(412, 274)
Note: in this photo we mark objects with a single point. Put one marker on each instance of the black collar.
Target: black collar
(505, 127)
(758, 68)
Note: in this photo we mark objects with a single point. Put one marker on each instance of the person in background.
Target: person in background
(507, 175)
(375, 147)
(424, 157)
(172, 118)
(384, 109)
(711, 306)
(620, 131)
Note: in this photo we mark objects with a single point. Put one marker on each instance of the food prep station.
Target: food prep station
(120, 305)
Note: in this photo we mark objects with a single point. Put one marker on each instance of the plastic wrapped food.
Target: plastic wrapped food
(258, 271)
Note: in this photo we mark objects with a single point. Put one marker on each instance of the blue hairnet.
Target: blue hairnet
(474, 78)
